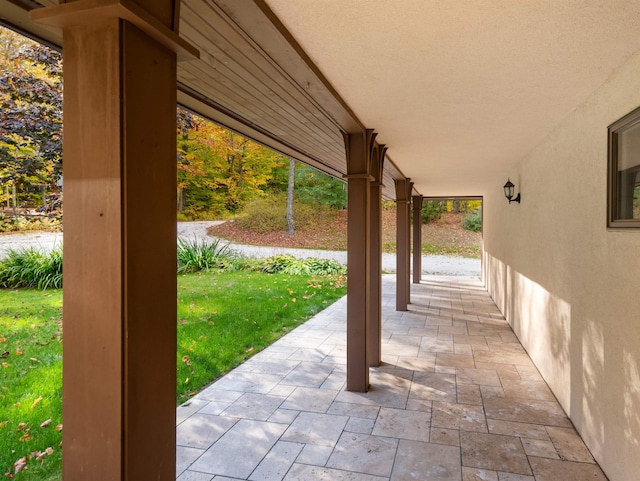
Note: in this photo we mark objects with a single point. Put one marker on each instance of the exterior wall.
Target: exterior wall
(567, 285)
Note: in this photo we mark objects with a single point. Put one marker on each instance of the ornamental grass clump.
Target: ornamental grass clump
(194, 255)
(31, 268)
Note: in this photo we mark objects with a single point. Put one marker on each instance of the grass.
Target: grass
(223, 318)
(237, 314)
(452, 250)
(442, 250)
(31, 337)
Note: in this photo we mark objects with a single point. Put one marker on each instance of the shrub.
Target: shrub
(31, 268)
(269, 215)
(287, 264)
(194, 255)
(473, 222)
(19, 223)
(264, 215)
(431, 210)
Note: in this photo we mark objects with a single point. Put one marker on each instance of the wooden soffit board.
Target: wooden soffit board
(254, 78)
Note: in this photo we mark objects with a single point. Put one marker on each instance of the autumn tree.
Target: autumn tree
(219, 171)
(30, 111)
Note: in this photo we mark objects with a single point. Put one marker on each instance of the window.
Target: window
(624, 172)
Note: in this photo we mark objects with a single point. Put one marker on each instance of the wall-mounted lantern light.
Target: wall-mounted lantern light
(508, 192)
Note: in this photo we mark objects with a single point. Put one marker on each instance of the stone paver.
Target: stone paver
(456, 399)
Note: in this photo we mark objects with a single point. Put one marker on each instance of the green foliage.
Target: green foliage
(269, 214)
(31, 268)
(287, 264)
(431, 210)
(315, 187)
(194, 255)
(473, 222)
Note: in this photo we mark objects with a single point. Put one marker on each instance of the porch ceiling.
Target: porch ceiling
(459, 92)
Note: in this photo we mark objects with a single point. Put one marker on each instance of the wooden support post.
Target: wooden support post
(358, 148)
(408, 237)
(119, 366)
(403, 198)
(417, 239)
(375, 296)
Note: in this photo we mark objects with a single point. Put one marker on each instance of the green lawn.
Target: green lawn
(223, 318)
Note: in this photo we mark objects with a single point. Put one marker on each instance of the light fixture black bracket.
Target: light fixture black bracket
(508, 192)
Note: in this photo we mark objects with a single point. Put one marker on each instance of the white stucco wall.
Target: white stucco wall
(569, 287)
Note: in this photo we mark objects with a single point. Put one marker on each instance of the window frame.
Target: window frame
(630, 120)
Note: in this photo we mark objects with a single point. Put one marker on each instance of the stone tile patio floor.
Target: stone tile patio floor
(457, 398)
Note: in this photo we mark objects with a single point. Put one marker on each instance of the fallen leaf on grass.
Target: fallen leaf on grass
(40, 455)
(5, 354)
(26, 436)
(46, 423)
(21, 426)
(19, 353)
(34, 359)
(59, 427)
(36, 402)
(3, 339)
(5, 364)
(20, 464)
(249, 350)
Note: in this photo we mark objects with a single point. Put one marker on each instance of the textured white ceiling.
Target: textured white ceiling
(461, 90)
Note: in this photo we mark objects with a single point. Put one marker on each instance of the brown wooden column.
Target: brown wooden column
(119, 365)
(358, 148)
(408, 237)
(375, 238)
(417, 239)
(403, 198)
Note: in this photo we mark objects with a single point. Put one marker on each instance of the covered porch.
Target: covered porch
(401, 100)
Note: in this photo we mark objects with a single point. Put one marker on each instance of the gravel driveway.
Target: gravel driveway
(442, 265)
